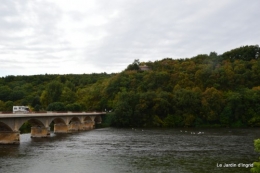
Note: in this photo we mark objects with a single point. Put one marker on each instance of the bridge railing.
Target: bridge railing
(6, 112)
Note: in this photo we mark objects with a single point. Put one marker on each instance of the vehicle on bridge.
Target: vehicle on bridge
(21, 109)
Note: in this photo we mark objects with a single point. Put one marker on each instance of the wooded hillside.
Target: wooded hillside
(206, 90)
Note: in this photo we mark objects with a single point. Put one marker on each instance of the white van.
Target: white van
(21, 109)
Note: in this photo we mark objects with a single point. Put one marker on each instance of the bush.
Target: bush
(256, 168)
(56, 106)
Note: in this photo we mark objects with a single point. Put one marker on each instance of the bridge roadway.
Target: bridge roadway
(64, 122)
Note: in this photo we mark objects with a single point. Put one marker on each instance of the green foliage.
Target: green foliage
(5, 93)
(56, 106)
(256, 168)
(68, 96)
(169, 121)
(74, 107)
(126, 112)
(157, 122)
(206, 90)
(134, 65)
(257, 145)
(25, 128)
(37, 108)
(107, 120)
(52, 93)
(244, 53)
(9, 106)
(2, 105)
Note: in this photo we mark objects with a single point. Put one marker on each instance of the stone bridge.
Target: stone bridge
(40, 122)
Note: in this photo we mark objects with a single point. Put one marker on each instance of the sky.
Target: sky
(96, 36)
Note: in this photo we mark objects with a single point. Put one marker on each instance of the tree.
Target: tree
(213, 54)
(68, 96)
(17, 94)
(173, 121)
(126, 112)
(244, 53)
(52, 93)
(134, 65)
(5, 93)
(212, 104)
(2, 105)
(54, 90)
(161, 104)
(9, 106)
(144, 106)
(36, 101)
(56, 106)
(73, 107)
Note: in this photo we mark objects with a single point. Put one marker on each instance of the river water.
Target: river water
(111, 150)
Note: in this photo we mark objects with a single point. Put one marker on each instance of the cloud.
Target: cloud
(57, 36)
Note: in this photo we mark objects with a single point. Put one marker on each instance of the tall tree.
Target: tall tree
(52, 93)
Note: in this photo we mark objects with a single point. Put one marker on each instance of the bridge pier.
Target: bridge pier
(40, 132)
(87, 126)
(61, 128)
(9, 137)
(74, 127)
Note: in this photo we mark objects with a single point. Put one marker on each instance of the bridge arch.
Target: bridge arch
(87, 119)
(74, 124)
(36, 122)
(4, 127)
(74, 120)
(33, 122)
(98, 119)
(58, 120)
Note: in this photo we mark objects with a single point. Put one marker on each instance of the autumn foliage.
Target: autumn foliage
(206, 90)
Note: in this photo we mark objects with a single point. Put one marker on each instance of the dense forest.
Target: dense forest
(205, 90)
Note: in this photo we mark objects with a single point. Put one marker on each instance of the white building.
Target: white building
(144, 68)
(21, 109)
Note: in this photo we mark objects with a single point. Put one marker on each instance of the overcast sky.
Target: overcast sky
(94, 36)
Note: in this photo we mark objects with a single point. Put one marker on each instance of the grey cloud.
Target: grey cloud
(145, 30)
(38, 18)
(138, 32)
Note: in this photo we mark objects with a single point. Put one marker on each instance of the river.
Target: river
(111, 150)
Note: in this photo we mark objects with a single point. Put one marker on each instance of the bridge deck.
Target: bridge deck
(48, 114)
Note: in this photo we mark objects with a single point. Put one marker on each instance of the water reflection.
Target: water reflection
(9, 150)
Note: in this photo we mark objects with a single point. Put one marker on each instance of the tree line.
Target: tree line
(205, 90)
